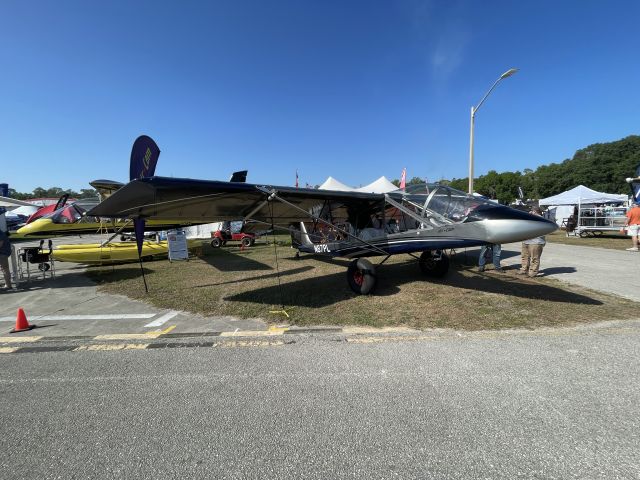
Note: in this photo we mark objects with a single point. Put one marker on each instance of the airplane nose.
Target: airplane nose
(517, 230)
(34, 228)
(505, 225)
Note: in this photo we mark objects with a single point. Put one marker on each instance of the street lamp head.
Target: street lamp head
(508, 73)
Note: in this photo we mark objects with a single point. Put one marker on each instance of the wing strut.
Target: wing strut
(118, 231)
(275, 251)
(405, 210)
(273, 195)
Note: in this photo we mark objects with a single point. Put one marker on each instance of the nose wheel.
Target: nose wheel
(434, 264)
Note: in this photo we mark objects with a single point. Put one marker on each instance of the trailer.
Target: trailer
(594, 221)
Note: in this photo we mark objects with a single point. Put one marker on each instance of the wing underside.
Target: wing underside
(200, 201)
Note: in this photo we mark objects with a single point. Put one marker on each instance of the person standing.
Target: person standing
(5, 253)
(497, 250)
(531, 251)
(633, 226)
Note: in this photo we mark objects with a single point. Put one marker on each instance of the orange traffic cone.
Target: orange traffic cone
(22, 325)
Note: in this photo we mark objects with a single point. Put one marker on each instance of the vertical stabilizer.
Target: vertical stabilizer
(304, 236)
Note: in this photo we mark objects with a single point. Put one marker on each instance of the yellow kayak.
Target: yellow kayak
(117, 252)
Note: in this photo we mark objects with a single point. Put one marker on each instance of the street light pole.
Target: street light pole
(506, 74)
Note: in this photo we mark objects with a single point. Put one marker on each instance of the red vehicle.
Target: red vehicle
(225, 234)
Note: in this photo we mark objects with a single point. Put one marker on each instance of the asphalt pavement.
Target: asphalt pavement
(551, 403)
(606, 270)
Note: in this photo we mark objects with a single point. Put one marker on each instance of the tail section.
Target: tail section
(239, 177)
(304, 236)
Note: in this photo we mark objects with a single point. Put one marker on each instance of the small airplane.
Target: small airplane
(427, 218)
(72, 219)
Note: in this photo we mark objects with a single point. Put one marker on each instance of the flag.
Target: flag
(296, 178)
(144, 157)
(403, 179)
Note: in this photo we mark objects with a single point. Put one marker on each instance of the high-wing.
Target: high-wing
(203, 200)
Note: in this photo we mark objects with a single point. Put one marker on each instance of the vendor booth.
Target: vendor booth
(586, 211)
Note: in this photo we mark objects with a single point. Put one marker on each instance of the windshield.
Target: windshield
(70, 214)
(444, 203)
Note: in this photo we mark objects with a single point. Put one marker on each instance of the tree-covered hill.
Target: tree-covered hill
(601, 166)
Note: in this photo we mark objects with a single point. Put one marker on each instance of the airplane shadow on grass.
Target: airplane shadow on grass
(108, 275)
(283, 273)
(329, 289)
(227, 261)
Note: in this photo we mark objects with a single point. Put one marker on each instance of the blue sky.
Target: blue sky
(352, 89)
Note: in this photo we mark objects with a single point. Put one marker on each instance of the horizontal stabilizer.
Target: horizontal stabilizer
(105, 187)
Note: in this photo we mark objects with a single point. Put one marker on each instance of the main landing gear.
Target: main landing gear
(434, 264)
(362, 278)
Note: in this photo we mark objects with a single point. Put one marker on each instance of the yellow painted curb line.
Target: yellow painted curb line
(8, 349)
(134, 336)
(19, 339)
(255, 333)
(129, 336)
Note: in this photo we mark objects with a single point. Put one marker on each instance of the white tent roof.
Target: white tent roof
(12, 202)
(333, 184)
(580, 195)
(381, 185)
(24, 210)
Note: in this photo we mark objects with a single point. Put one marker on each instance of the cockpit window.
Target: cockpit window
(443, 204)
(70, 214)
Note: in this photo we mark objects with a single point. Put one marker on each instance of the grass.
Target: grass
(612, 240)
(246, 284)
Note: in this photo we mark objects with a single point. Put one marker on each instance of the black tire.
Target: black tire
(216, 243)
(361, 276)
(246, 242)
(43, 267)
(432, 266)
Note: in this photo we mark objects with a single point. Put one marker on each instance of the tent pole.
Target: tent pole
(579, 213)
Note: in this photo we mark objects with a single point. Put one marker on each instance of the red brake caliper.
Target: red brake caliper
(358, 277)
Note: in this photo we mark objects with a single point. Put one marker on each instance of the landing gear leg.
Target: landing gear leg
(434, 264)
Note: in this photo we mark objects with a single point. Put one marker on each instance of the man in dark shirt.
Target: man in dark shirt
(5, 253)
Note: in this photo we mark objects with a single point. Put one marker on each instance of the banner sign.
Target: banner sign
(144, 158)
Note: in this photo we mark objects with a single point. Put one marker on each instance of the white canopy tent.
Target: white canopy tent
(562, 206)
(582, 195)
(24, 210)
(333, 184)
(381, 185)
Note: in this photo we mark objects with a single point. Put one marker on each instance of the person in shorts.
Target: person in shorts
(633, 226)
